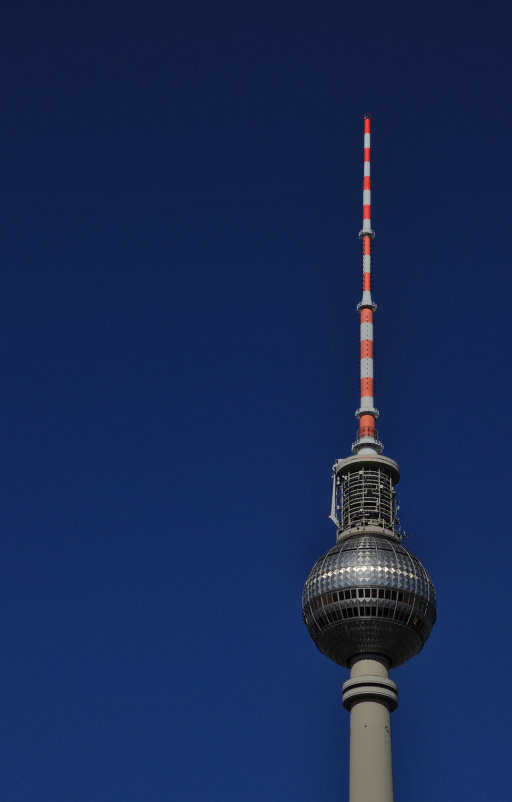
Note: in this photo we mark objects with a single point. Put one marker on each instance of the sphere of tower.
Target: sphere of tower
(369, 595)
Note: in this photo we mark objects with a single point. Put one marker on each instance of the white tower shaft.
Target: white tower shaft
(370, 696)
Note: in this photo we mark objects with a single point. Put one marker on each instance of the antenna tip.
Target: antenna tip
(367, 116)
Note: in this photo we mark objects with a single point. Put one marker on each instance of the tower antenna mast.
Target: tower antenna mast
(367, 414)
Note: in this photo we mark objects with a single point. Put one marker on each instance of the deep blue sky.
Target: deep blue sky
(181, 196)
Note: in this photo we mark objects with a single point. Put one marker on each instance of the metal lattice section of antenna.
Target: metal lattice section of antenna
(367, 437)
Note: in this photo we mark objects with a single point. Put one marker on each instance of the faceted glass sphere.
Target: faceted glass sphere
(369, 595)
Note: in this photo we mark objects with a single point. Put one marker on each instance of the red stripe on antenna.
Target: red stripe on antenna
(366, 349)
(367, 386)
(366, 423)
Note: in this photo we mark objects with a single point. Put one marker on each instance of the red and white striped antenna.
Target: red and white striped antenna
(367, 439)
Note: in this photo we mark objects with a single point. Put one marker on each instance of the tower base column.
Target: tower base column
(370, 696)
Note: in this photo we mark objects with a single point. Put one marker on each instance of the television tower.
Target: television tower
(368, 603)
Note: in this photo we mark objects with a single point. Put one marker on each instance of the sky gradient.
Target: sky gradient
(181, 198)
